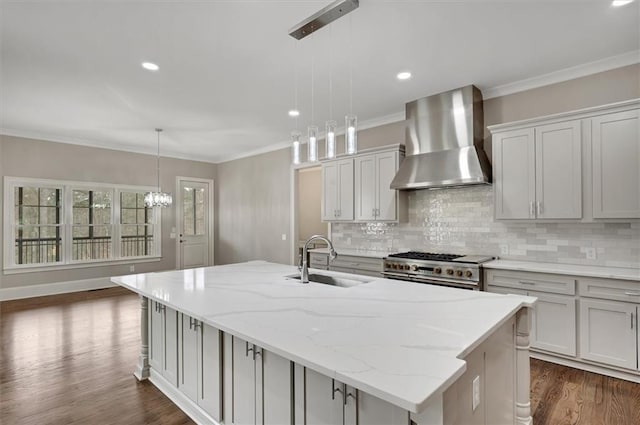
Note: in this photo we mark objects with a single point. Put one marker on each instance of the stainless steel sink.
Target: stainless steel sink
(339, 281)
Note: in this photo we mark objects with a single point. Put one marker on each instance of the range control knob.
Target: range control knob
(437, 270)
(459, 273)
(406, 267)
(450, 272)
(394, 265)
(468, 273)
(414, 268)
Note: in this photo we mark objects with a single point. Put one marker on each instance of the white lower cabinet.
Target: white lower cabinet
(261, 390)
(553, 322)
(163, 341)
(553, 326)
(329, 402)
(608, 332)
(199, 364)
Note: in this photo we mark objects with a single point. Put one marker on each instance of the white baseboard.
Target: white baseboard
(29, 291)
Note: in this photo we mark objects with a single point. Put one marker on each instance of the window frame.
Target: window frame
(66, 262)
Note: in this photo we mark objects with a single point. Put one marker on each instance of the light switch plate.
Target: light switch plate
(476, 392)
(591, 253)
(284, 236)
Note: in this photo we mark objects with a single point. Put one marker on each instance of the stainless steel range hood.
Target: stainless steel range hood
(444, 142)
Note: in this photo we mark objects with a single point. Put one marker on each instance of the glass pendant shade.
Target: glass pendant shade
(159, 198)
(351, 134)
(295, 148)
(312, 146)
(331, 138)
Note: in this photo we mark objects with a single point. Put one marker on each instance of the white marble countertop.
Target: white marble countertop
(568, 269)
(399, 341)
(354, 252)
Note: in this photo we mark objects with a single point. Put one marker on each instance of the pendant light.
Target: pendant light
(350, 121)
(330, 125)
(295, 135)
(312, 130)
(295, 147)
(159, 198)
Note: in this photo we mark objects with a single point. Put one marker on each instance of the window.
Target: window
(59, 223)
(91, 229)
(136, 225)
(37, 221)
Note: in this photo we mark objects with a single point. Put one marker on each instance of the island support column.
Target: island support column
(523, 377)
(142, 368)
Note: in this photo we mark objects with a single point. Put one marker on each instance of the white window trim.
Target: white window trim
(66, 263)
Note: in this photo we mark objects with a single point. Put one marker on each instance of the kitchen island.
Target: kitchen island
(244, 343)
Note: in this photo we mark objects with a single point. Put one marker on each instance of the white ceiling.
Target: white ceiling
(70, 70)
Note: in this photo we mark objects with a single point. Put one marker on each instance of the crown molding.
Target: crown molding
(45, 137)
(566, 74)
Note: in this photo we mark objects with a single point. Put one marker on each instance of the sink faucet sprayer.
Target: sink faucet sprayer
(304, 270)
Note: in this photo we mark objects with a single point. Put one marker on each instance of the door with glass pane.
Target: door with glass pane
(193, 224)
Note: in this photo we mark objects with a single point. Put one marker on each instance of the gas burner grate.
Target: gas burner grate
(415, 255)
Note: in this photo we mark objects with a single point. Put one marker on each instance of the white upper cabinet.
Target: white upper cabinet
(357, 188)
(337, 190)
(580, 165)
(538, 172)
(616, 165)
(559, 170)
(374, 200)
(514, 173)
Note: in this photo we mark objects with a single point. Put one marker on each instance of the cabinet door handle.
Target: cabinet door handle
(633, 294)
(190, 322)
(248, 350)
(532, 211)
(524, 282)
(631, 320)
(335, 390)
(539, 208)
(349, 394)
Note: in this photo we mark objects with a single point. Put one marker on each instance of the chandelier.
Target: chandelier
(159, 198)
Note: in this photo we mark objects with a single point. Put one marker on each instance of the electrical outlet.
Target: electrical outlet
(284, 236)
(132, 269)
(591, 253)
(504, 249)
(475, 390)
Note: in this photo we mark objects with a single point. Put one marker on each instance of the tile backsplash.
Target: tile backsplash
(461, 221)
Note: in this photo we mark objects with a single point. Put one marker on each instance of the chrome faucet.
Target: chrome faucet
(304, 270)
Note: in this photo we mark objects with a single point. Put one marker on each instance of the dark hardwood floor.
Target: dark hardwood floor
(68, 359)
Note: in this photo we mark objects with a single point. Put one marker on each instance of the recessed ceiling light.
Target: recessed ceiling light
(150, 66)
(618, 3)
(294, 113)
(405, 75)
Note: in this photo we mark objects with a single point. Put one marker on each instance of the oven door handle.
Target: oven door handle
(438, 281)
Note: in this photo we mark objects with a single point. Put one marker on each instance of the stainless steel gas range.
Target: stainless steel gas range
(459, 271)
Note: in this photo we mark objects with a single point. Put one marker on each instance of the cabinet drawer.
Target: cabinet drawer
(357, 263)
(541, 282)
(610, 289)
(318, 261)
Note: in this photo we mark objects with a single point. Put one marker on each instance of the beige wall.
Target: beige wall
(309, 194)
(21, 157)
(253, 204)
